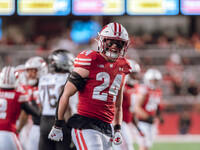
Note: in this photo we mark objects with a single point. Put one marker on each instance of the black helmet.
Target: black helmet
(61, 60)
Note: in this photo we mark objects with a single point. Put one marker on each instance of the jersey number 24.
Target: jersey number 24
(113, 89)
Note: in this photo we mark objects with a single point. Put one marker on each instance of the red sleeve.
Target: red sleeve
(127, 67)
(84, 59)
(22, 97)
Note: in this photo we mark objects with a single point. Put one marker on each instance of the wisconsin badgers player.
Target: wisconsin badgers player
(129, 100)
(147, 106)
(99, 78)
(60, 64)
(35, 67)
(11, 104)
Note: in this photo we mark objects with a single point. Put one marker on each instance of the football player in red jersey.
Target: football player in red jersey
(147, 107)
(129, 100)
(99, 78)
(35, 67)
(11, 103)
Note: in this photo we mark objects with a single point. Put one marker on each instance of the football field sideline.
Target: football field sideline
(175, 142)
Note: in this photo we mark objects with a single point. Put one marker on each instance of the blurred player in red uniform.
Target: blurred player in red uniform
(11, 103)
(99, 78)
(35, 67)
(147, 107)
(129, 100)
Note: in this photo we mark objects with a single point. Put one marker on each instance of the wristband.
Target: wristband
(117, 127)
(58, 123)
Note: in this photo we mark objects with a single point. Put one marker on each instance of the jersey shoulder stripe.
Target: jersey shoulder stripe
(85, 58)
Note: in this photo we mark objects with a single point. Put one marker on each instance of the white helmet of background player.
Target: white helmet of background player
(61, 61)
(133, 77)
(20, 73)
(7, 77)
(151, 77)
(36, 63)
(113, 31)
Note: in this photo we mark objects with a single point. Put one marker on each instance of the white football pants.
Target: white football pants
(149, 131)
(89, 139)
(34, 137)
(9, 141)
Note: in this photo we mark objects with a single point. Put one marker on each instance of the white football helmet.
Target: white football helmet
(7, 77)
(133, 77)
(113, 31)
(151, 77)
(20, 73)
(39, 64)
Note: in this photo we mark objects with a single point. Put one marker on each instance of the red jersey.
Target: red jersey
(10, 109)
(31, 92)
(129, 99)
(153, 100)
(97, 98)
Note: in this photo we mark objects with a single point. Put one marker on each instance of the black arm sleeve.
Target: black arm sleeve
(28, 108)
(77, 80)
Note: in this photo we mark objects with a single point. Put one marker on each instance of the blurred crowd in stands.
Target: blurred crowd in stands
(179, 78)
(15, 35)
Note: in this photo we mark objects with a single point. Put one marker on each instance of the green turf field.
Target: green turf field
(174, 146)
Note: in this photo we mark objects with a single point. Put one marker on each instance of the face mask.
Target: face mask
(111, 54)
(32, 82)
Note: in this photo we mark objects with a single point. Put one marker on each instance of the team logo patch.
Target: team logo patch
(100, 66)
(120, 69)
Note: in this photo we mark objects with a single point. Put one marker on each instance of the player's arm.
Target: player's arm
(22, 120)
(30, 109)
(118, 107)
(138, 107)
(140, 111)
(67, 113)
(27, 108)
(117, 137)
(75, 82)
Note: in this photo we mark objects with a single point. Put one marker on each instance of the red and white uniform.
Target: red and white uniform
(151, 104)
(27, 141)
(102, 86)
(97, 98)
(9, 112)
(153, 100)
(31, 92)
(129, 100)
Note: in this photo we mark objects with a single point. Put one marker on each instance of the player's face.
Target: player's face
(135, 76)
(113, 48)
(32, 73)
(154, 83)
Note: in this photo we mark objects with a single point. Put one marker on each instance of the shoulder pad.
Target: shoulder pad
(85, 58)
(125, 65)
